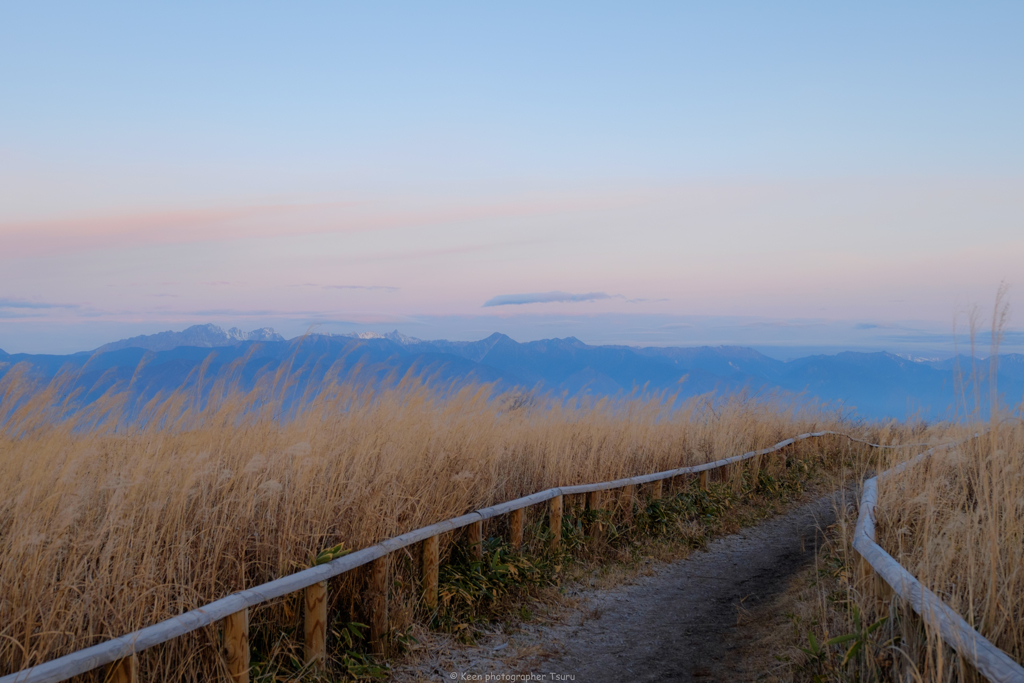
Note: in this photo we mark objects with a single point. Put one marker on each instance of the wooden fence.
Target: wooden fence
(233, 611)
(988, 659)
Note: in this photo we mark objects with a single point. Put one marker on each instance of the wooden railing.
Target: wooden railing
(120, 654)
(988, 659)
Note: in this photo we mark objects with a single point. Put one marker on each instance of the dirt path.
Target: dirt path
(687, 621)
(683, 623)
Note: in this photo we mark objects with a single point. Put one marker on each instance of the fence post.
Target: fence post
(378, 603)
(594, 505)
(430, 551)
(315, 632)
(872, 586)
(864, 573)
(883, 595)
(656, 489)
(704, 480)
(476, 540)
(515, 523)
(555, 521)
(124, 670)
(236, 645)
(629, 493)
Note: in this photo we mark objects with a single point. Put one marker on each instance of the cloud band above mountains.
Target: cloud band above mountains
(544, 298)
(34, 305)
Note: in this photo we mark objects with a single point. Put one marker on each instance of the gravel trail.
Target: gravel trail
(690, 620)
(681, 624)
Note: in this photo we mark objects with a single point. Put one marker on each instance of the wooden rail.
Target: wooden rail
(988, 659)
(232, 610)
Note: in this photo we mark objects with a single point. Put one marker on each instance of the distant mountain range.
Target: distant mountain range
(875, 385)
(203, 336)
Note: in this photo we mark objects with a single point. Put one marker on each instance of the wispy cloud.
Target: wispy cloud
(197, 225)
(552, 297)
(380, 288)
(785, 323)
(544, 298)
(640, 301)
(20, 303)
(368, 288)
(249, 313)
(157, 227)
(881, 326)
(415, 254)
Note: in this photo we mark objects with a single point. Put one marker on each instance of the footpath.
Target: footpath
(690, 620)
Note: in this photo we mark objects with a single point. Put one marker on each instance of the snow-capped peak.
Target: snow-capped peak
(206, 336)
(394, 336)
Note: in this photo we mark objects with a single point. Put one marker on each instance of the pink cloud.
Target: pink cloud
(432, 253)
(74, 234)
(129, 230)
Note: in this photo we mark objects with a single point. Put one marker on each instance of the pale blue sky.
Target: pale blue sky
(369, 164)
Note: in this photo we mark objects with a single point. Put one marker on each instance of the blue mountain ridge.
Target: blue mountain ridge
(874, 385)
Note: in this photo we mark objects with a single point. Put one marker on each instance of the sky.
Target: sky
(789, 176)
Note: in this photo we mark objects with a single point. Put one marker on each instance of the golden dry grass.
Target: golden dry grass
(956, 522)
(107, 527)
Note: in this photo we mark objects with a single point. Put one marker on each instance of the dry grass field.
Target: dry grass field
(106, 527)
(956, 522)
